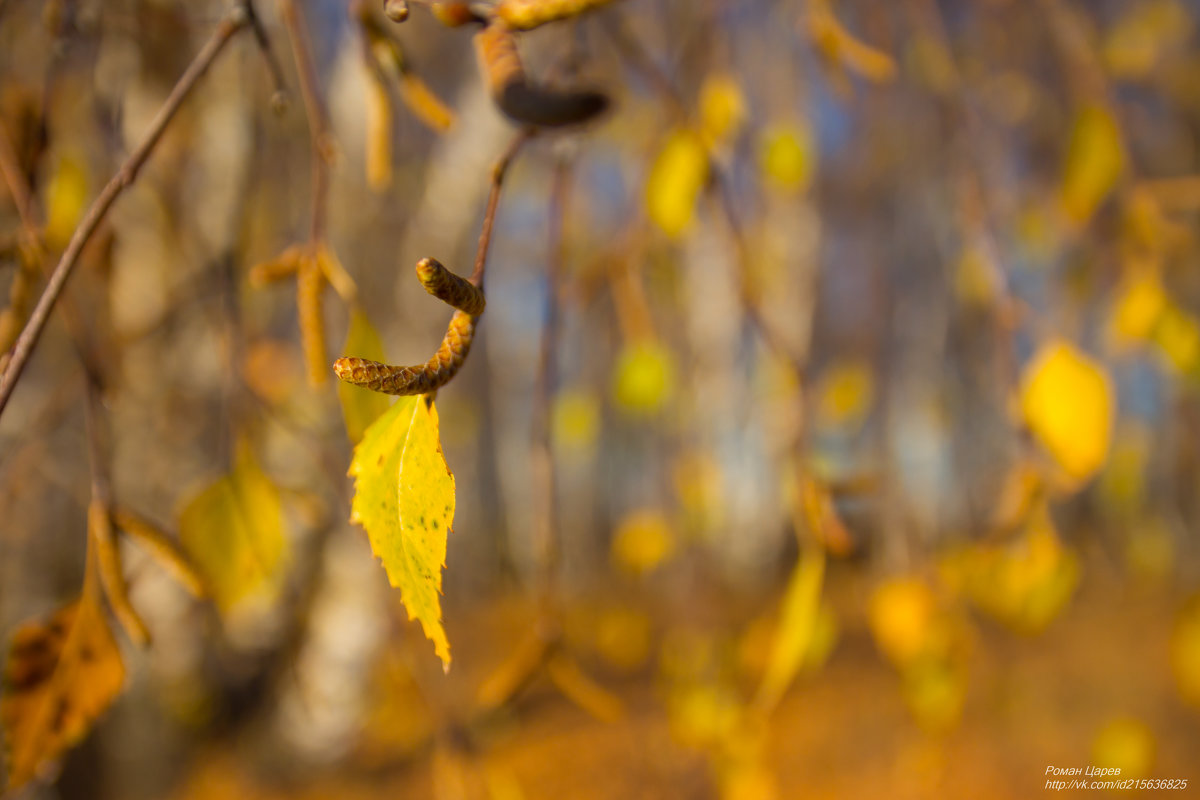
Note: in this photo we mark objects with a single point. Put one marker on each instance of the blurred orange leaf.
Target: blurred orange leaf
(59, 677)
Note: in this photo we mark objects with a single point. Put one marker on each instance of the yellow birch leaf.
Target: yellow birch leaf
(722, 108)
(643, 541)
(361, 407)
(787, 156)
(66, 198)
(1140, 302)
(1095, 160)
(233, 530)
(1177, 336)
(1185, 651)
(1027, 582)
(404, 498)
(1143, 35)
(797, 628)
(58, 679)
(644, 378)
(1067, 401)
(845, 394)
(576, 420)
(1125, 744)
(675, 182)
(904, 618)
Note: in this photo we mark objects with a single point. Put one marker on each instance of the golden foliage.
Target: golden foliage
(676, 179)
(798, 628)
(233, 531)
(643, 540)
(644, 378)
(404, 499)
(1095, 162)
(1067, 402)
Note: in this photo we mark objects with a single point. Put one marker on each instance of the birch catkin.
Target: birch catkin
(519, 98)
(468, 302)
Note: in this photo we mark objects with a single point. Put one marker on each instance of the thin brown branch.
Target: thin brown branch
(547, 545)
(315, 113)
(122, 180)
(280, 96)
(499, 169)
(631, 51)
(14, 179)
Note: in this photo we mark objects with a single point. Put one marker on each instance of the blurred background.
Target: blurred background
(864, 463)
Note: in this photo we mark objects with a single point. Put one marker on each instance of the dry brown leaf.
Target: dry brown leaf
(59, 678)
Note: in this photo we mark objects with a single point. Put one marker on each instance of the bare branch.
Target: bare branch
(125, 176)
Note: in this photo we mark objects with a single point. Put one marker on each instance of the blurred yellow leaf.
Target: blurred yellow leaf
(1095, 161)
(787, 156)
(379, 135)
(58, 678)
(704, 714)
(233, 530)
(644, 377)
(904, 619)
(404, 498)
(975, 281)
(1027, 582)
(722, 108)
(1126, 744)
(676, 179)
(1177, 337)
(1185, 651)
(1122, 483)
(844, 393)
(1150, 549)
(66, 199)
(1140, 302)
(1067, 402)
(361, 407)
(1144, 33)
(642, 541)
(699, 487)
(576, 420)
(935, 692)
(622, 637)
(797, 628)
